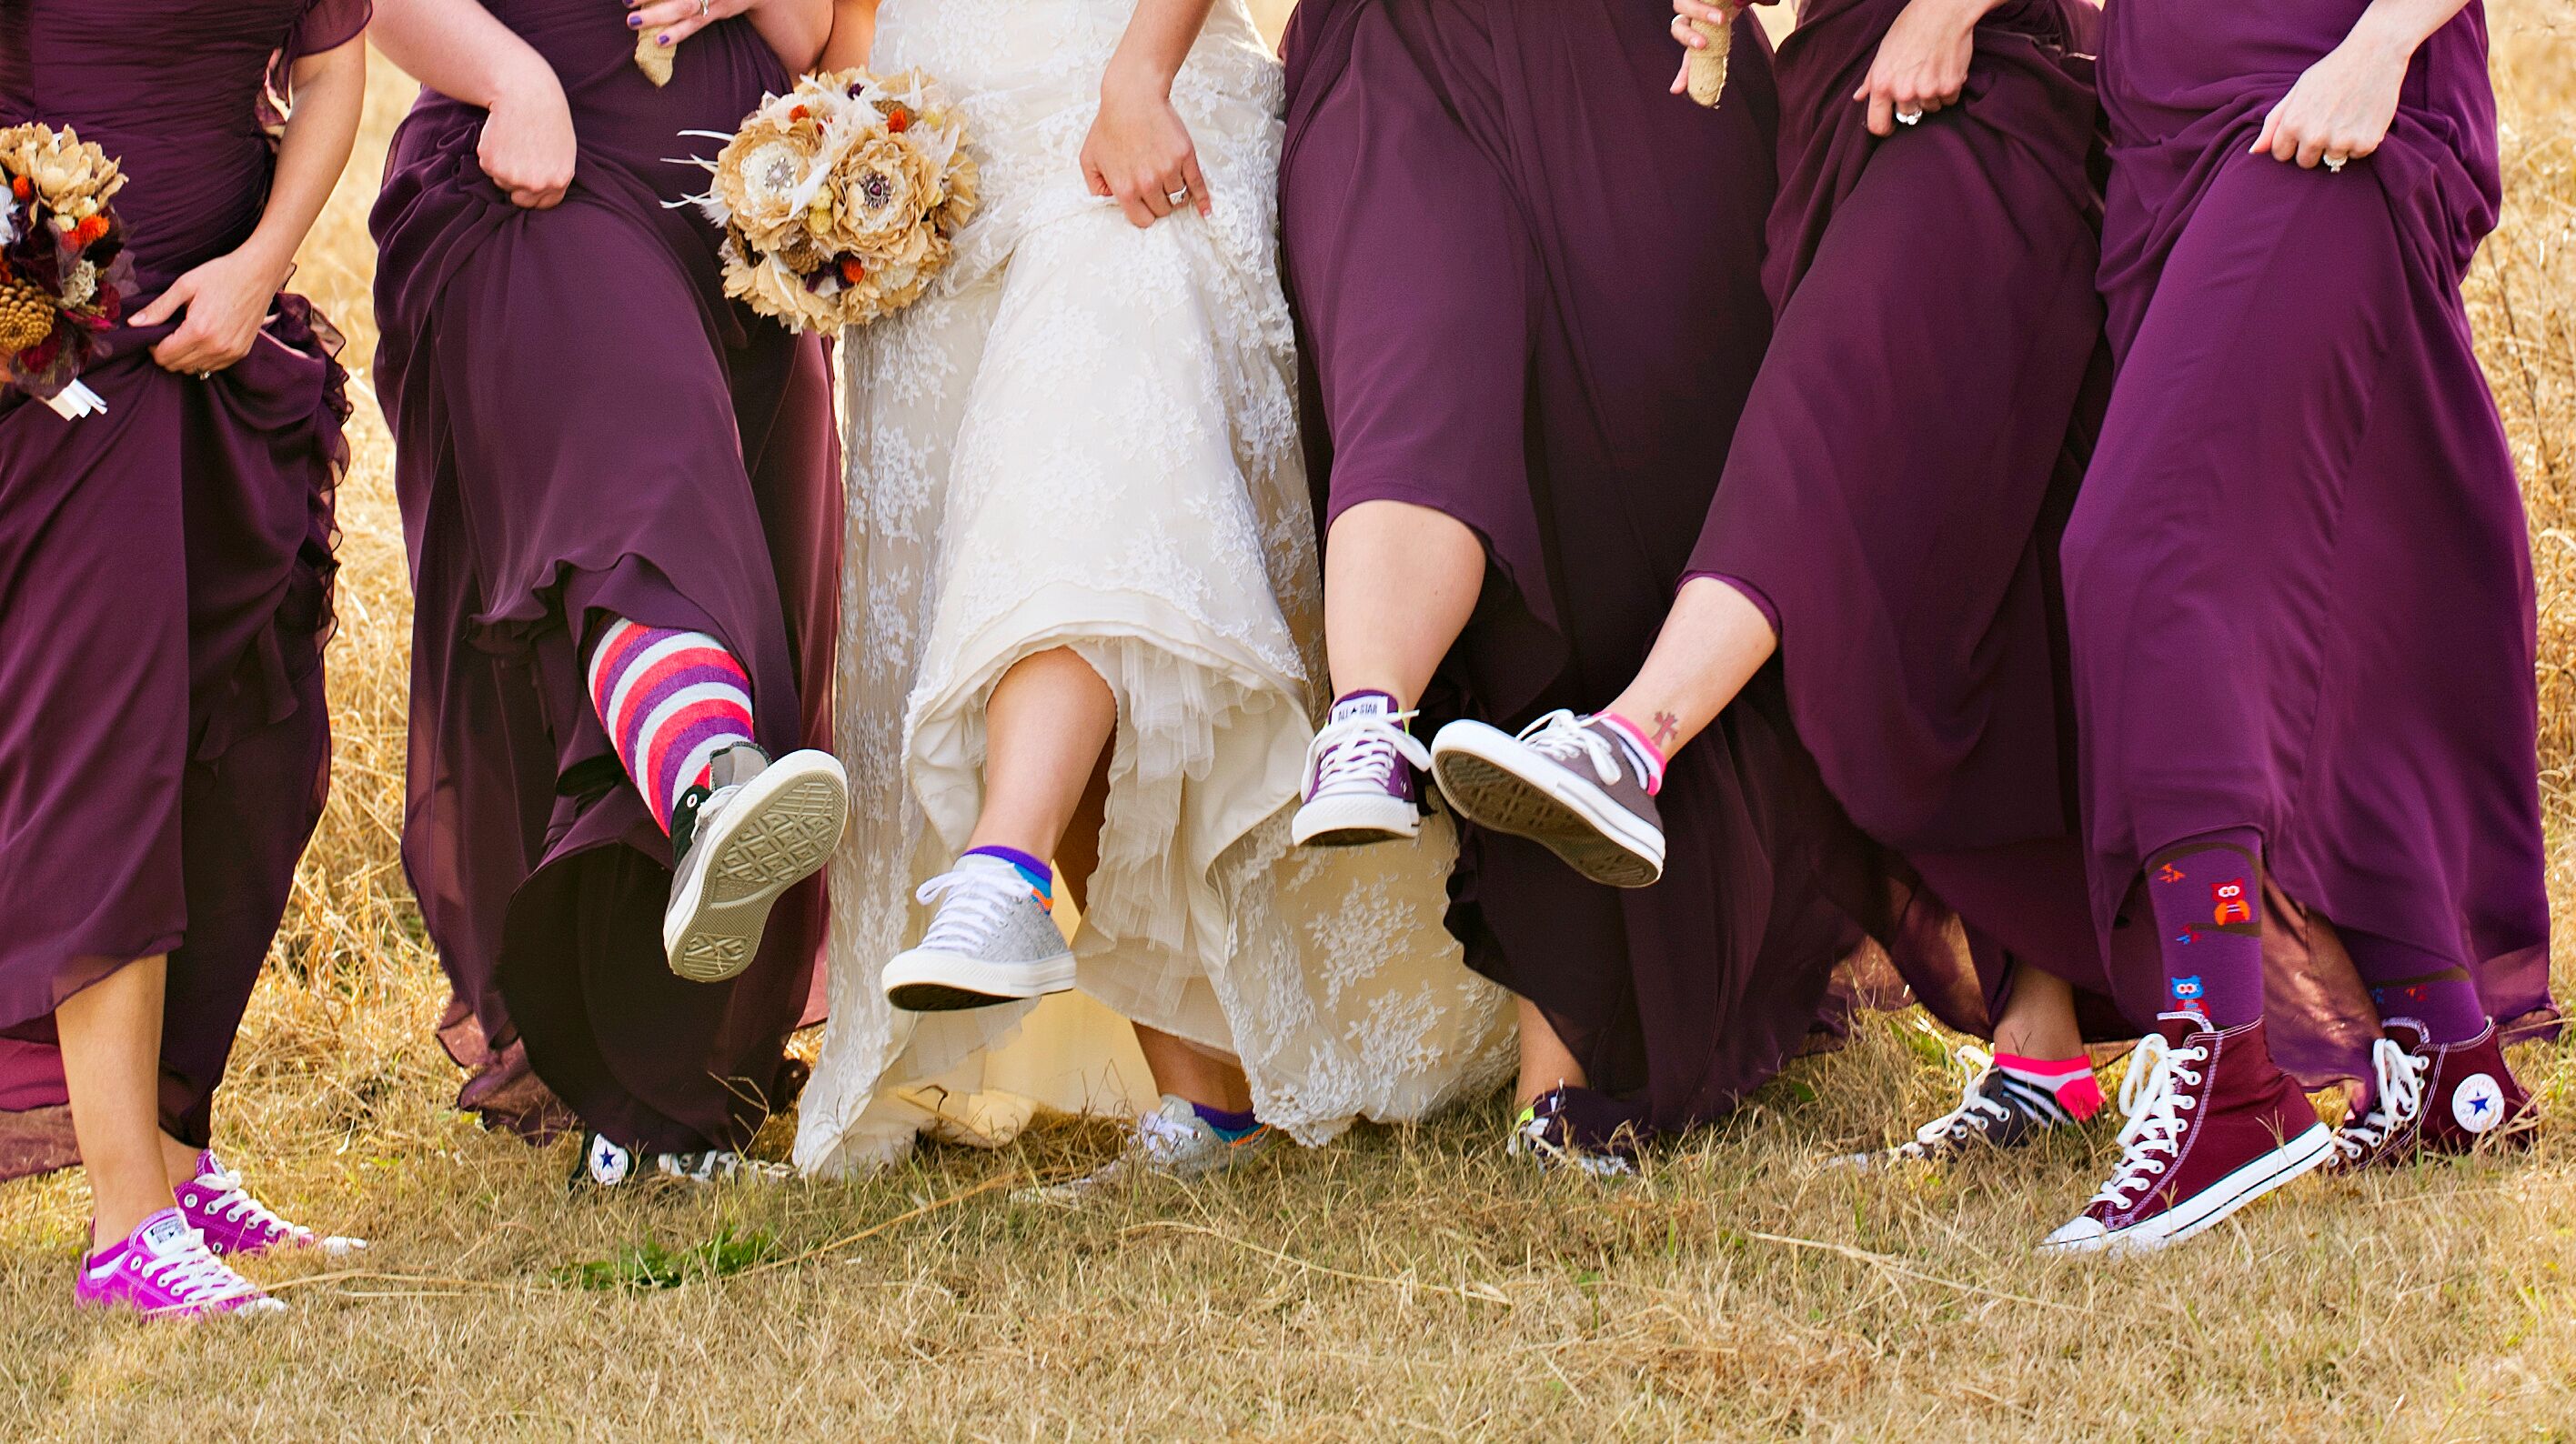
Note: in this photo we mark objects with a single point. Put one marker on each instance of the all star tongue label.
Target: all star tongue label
(165, 1232)
(2478, 1103)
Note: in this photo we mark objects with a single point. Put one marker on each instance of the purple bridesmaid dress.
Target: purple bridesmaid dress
(1528, 286)
(165, 572)
(2298, 581)
(1901, 473)
(585, 424)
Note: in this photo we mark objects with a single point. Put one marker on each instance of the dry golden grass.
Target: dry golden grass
(1407, 1284)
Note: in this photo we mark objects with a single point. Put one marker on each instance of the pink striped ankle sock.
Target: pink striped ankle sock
(1650, 758)
(2069, 1080)
(671, 701)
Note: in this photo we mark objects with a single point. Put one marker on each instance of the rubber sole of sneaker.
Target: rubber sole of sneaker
(922, 981)
(779, 831)
(2214, 1204)
(1479, 772)
(1354, 822)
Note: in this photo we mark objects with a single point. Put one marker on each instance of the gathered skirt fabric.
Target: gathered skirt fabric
(584, 425)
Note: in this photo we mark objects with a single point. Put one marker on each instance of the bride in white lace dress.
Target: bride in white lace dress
(1081, 601)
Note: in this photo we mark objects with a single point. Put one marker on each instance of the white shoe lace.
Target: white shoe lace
(1561, 737)
(2400, 1076)
(2152, 1097)
(232, 1203)
(1359, 752)
(1973, 1105)
(192, 1274)
(974, 902)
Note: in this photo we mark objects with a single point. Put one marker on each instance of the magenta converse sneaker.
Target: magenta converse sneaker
(2213, 1125)
(2434, 1098)
(165, 1269)
(1363, 777)
(235, 1223)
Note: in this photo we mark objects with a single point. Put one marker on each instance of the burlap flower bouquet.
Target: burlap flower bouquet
(841, 199)
(64, 273)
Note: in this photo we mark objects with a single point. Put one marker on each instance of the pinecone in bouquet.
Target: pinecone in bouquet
(1708, 66)
(841, 200)
(64, 273)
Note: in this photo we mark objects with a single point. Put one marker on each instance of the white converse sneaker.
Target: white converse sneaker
(1174, 1142)
(1363, 777)
(994, 940)
(763, 828)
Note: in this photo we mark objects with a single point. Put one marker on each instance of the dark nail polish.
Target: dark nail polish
(663, 39)
(634, 22)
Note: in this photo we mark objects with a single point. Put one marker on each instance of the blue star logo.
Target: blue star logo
(2480, 1105)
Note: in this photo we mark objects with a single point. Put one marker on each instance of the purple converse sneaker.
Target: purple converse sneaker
(1362, 775)
(1572, 783)
(164, 1269)
(236, 1224)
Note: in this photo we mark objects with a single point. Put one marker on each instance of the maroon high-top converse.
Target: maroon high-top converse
(2434, 1098)
(2213, 1126)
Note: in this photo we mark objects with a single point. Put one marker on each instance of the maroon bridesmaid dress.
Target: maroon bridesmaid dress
(165, 572)
(1528, 287)
(2299, 578)
(584, 424)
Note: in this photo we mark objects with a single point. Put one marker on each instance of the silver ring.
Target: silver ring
(205, 375)
(1178, 197)
(2335, 163)
(703, 6)
(1909, 117)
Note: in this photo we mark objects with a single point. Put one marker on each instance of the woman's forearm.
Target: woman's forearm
(1158, 40)
(329, 94)
(854, 30)
(456, 48)
(2403, 25)
(795, 29)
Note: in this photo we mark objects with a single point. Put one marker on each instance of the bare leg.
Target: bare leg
(1546, 1063)
(111, 1043)
(1712, 643)
(1187, 1072)
(1400, 582)
(2039, 1016)
(1049, 719)
(180, 1159)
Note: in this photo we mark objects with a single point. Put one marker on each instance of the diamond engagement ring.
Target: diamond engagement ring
(1177, 197)
(2335, 163)
(1909, 117)
(703, 7)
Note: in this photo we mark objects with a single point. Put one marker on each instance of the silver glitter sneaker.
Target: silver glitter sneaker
(761, 829)
(1567, 782)
(612, 1165)
(994, 940)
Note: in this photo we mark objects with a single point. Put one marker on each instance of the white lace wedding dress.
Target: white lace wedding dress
(1086, 438)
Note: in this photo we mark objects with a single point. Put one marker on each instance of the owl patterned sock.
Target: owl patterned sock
(2207, 893)
(2407, 982)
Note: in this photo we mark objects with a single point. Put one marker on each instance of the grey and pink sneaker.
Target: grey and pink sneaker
(236, 1224)
(164, 1269)
(1363, 776)
(2214, 1124)
(1578, 785)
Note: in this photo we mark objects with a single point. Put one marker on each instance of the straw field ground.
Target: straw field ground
(1410, 1283)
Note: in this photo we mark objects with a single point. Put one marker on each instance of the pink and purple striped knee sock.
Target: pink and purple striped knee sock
(671, 701)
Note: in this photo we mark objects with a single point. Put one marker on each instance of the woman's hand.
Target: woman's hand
(1140, 152)
(226, 300)
(2341, 107)
(673, 21)
(528, 147)
(1684, 12)
(1922, 62)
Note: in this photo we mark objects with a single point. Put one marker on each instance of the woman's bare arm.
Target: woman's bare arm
(854, 29)
(228, 297)
(2342, 107)
(456, 48)
(1139, 151)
